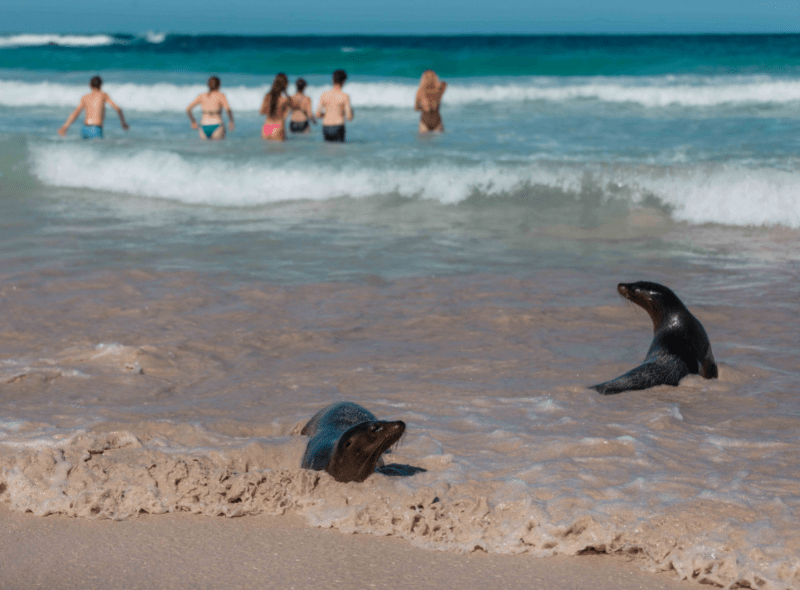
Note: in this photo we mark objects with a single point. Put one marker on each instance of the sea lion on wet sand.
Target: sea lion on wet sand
(347, 441)
(680, 345)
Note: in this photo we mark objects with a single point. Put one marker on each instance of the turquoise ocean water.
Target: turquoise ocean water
(546, 131)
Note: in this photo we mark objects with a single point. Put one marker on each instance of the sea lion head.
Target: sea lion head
(357, 451)
(655, 299)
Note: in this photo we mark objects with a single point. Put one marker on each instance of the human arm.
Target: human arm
(320, 108)
(71, 119)
(308, 109)
(193, 104)
(265, 105)
(119, 112)
(348, 110)
(230, 112)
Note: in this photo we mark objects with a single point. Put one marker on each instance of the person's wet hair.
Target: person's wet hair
(429, 79)
(213, 83)
(279, 86)
(96, 82)
(301, 84)
(339, 76)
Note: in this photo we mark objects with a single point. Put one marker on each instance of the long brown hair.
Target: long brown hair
(279, 86)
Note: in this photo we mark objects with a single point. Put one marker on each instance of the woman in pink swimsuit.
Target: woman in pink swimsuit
(276, 106)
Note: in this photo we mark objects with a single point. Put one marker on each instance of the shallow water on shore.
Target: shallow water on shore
(129, 392)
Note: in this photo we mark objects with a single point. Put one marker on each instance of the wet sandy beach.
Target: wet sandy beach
(182, 552)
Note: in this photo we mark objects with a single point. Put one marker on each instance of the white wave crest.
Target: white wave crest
(727, 194)
(648, 93)
(63, 40)
(147, 98)
(155, 37)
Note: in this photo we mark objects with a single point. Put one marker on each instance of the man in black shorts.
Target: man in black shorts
(334, 108)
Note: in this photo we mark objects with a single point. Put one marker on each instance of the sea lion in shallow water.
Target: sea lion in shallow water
(347, 441)
(680, 345)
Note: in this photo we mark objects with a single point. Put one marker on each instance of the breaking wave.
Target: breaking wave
(29, 40)
(655, 93)
(727, 194)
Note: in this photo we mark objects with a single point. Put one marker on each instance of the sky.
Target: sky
(262, 17)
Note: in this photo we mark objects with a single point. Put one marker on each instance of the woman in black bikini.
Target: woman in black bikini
(301, 110)
(429, 97)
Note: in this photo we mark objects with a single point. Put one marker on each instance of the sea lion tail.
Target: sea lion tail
(652, 372)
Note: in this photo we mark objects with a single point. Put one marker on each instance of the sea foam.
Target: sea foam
(653, 93)
(727, 194)
(62, 40)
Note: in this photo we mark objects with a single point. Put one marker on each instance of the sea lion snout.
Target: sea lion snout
(398, 427)
(624, 290)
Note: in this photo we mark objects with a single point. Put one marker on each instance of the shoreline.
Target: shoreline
(187, 551)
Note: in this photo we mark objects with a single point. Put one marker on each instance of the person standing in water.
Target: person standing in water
(276, 106)
(301, 111)
(334, 108)
(212, 102)
(95, 105)
(428, 99)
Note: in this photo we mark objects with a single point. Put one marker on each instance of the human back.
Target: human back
(95, 106)
(302, 113)
(336, 105)
(276, 106)
(428, 100)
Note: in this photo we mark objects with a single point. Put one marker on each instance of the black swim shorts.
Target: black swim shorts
(333, 132)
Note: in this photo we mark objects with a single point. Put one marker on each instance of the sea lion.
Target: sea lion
(680, 345)
(347, 441)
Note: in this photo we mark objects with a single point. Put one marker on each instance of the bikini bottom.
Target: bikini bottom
(209, 130)
(298, 126)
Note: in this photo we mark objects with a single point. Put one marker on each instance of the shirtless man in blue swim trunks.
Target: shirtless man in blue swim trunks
(95, 105)
(335, 105)
(212, 102)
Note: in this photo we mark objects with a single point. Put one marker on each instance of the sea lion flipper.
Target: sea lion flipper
(708, 367)
(654, 371)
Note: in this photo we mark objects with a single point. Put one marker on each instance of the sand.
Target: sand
(178, 551)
